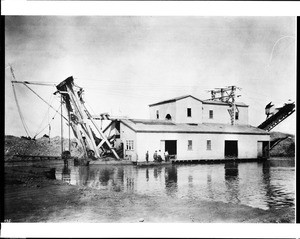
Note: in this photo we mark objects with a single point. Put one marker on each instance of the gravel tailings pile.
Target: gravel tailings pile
(41, 146)
(285, 148)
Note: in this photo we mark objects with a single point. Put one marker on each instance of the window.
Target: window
(190, 145)
(157, 114)
(129, 144)
(189, 112)
(208, 145)
(168, 117)
(211, 114)
(237, 115)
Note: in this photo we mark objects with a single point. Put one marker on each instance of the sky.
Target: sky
(126, 63)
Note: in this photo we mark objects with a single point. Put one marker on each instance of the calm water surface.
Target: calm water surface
(262, 185)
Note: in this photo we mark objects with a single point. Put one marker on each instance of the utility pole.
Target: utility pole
(69, 132)
(61, 126)
(233, 105)
(226, 95)
(222, 95)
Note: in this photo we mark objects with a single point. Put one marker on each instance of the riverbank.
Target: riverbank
(31, 196)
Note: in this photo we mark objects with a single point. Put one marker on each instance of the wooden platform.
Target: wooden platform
(110, 162)
(149, 164)
(216, 161)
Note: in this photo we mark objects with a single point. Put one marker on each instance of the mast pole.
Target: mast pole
(69, 133)
(61, 126)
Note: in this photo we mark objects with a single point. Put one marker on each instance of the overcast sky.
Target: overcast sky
(126, 63)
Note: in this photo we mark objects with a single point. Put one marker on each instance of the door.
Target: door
(231, 148)
(171, 147)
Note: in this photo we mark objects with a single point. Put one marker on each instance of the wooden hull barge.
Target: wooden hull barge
(110, 162)
(200, 161)
(164, 163)
(151, 164)
(220, 161)
(107, 161)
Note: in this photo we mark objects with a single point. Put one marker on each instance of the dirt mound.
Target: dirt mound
(285, 148)
(41, 146)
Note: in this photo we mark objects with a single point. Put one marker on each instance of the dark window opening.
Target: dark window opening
(157, 114)
(211, 114)
(117, 125)
(236, 115)
(189, 112)
(190, 145)
(208, 145)
(168, 117)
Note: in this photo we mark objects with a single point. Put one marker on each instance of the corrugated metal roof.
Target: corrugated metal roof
(215, 102)
(171, 127)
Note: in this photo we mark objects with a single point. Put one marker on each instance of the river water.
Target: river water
(265, 185)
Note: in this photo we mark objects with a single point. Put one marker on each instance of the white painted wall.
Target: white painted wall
(152, 142)
(200, 112)
(247, 145)
(164, 109)
(128, 134)
(221, 115)
(181, 111)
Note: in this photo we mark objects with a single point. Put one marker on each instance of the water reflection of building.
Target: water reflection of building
(253, 184)
(171, 180)
(147, 174)
(106, 177)
(66, 174)
(157, 172)
(231, 170)
(83, 175)
(209, 181)
(275, 195)
(232, 182)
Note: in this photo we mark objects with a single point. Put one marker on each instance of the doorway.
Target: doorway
(231, 148)
(171, 147)
(263, 149)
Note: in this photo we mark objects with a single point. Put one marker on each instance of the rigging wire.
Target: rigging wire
(49, 125)
(17, 103)
(19, 108)
(45, 101)
(46, 116)
(37, 83)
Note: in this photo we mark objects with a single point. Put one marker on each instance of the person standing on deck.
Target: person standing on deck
(166, 156)
(159, 156)
(155, 156)
(147, 156)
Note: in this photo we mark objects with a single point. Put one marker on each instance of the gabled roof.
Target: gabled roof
(218, 102)
(173, 100)
(212, 102)
(165, 126)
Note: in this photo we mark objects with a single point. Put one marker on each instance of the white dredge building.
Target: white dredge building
(192, 129)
